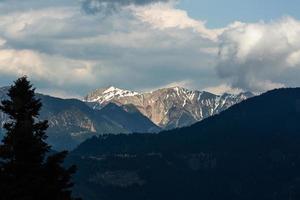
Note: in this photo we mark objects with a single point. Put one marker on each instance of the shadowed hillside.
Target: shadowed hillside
(71, 121)
(251, 151)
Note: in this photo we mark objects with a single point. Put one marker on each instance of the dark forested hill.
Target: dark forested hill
(250, 151)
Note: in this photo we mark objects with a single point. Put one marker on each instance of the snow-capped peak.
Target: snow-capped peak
(117, 92)
(112, 89)
(108, 94)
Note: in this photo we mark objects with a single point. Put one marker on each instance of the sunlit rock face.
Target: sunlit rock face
(168, 107)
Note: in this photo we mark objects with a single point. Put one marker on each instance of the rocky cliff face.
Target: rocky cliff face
(168, 107)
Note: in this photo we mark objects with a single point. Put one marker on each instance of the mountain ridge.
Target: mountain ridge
(71, 121)
(168, 108)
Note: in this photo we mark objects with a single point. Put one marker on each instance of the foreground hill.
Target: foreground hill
(71, 121)
(168, 108)
(250, 151)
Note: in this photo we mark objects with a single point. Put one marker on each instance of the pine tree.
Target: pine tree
(29, 170)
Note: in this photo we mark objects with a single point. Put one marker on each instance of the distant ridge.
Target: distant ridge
(71, 121)
(168, 107)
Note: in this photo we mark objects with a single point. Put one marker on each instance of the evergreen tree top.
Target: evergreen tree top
(22, 100)
(26, 171)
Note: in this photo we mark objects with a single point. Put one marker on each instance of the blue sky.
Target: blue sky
(70, 47)
(219, 13)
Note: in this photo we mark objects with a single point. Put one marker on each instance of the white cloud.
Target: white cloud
(183, 83)
(2, 42)
(22, 24)
(223, 88)
(293, 60)
(165, 16)
(143, 47)
(209, 50)
(58, 93)
(66, 49)
(54, 69)
(255, 56)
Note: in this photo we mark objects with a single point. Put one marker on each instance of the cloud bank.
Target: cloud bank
(63, 49)
(163, 16)
(260, 56)
(147, 45)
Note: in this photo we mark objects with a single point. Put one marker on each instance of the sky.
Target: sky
(219, 13)
(68, 48)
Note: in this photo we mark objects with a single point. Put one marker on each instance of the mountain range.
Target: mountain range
(249, 151)
(242, 148)
(114, 111)
(71, 121)
(168, 108)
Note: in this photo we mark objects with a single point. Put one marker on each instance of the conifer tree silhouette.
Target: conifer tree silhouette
(28, 168)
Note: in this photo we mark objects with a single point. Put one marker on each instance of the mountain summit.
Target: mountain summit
(168, 107)
(104, 95)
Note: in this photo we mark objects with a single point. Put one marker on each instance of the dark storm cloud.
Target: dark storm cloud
(111, 6)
